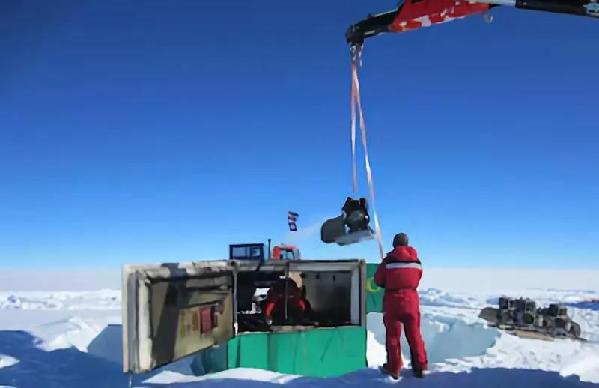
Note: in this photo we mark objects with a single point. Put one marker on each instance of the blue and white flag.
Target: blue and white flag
(292, 220)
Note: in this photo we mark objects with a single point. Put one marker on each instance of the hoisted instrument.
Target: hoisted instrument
(352, 225)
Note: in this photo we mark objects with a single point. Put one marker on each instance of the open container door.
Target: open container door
(173, 310)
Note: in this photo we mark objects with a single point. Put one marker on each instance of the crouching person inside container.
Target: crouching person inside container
(298, 308)
(399, 274)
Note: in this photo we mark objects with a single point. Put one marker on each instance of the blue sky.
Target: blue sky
(165, 131)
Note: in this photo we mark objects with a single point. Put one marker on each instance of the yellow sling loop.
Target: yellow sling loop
(356, 105)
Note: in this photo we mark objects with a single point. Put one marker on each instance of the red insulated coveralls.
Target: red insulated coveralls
(399, 274)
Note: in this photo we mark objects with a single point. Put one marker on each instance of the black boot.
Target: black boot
(385, 370)
(418, 373)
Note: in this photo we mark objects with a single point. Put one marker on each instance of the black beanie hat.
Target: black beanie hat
(400, 240)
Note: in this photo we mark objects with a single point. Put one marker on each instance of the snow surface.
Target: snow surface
(73, 339)
(7, 361)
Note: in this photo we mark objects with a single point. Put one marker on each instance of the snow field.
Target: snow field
(66, 338)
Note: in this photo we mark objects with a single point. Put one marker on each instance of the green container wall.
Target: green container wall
(322, 352)
(374, 294)
(211, 360)
(252, 351)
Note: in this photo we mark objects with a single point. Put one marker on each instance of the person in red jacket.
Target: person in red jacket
(298, 307)
(399, 274)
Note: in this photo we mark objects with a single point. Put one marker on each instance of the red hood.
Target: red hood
(403, 253)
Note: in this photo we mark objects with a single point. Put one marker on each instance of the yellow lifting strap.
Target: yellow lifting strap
(356, 106)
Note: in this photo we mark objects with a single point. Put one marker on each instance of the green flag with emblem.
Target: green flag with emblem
(374, 293)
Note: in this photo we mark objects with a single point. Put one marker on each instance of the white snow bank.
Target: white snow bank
(589, 323)
(567, 357)
(376, 354)
(59, 329)
(585, 365)
(72, 331)
(257, 375)
(6, 361)
(436, 297)
(60, 319)
(445, 338)
(493, 279)
(61, 300)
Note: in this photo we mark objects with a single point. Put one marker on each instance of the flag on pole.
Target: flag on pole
(292, 220)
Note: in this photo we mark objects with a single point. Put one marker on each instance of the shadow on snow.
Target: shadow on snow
(488, 378)
(64, 368)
